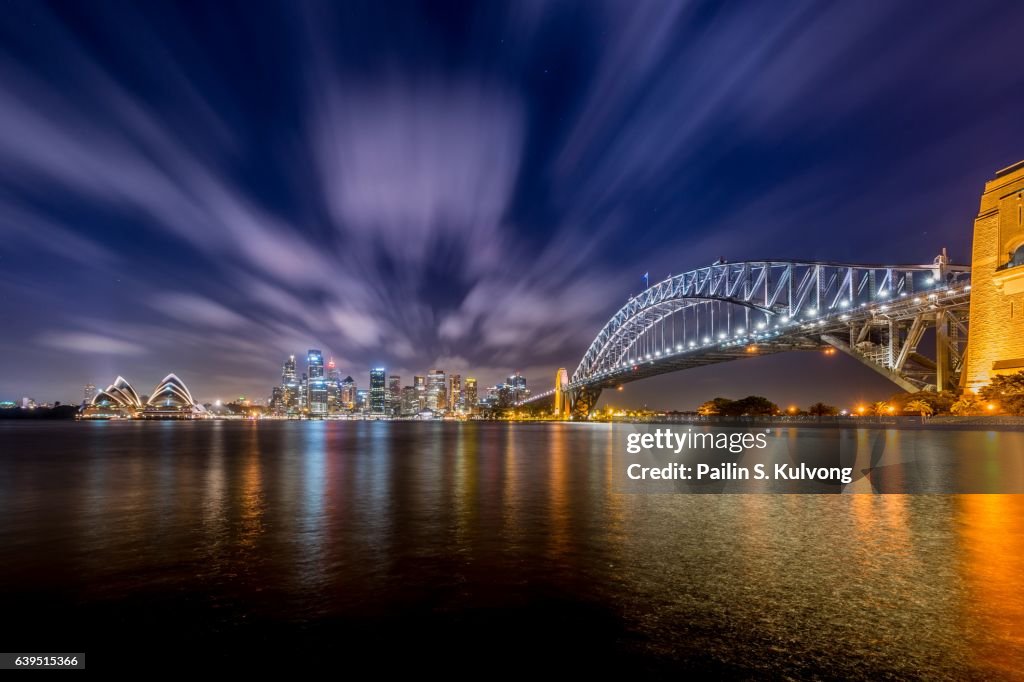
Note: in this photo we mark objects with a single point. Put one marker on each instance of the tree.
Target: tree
(967, 405)
(1003, 385)
(752, 405)
(1006, 391)
(922, 407)
(822, 410)
(882, 409)
(714, 407)
(939, 402)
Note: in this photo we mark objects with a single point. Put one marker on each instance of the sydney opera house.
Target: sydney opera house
(169, 400)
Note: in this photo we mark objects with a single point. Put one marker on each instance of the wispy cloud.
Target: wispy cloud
(84, 342)
(395, 189)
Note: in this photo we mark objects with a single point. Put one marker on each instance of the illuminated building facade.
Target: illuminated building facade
(469, 396)
(316, 383)
(378, 391)
(347, 393)
(454, 392)
(436, 390)
(996, 344)
(394, 397)
(516, 386)
(419, 384)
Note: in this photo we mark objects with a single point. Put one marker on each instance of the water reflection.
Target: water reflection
(991, 530)
(209, 527)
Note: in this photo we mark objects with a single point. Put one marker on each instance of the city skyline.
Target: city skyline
(474, 188)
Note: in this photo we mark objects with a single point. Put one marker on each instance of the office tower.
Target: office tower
(318, 396)
(316, 387)
(89, 393)
(454, 392)
(333, 388)
(362, 400)
(516, 384)
(288, 372)
(469, 397)
(419, 384)
(410, 403)
(277, 405)
(436, 390)
(333, 396)
(290, 386)
(348, 393)
(394, 395)
(315, 364)
(378, 391)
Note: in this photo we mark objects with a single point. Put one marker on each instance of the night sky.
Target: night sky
(206, 187)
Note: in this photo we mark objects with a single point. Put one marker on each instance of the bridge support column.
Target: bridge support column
(943, 361)
(561, 395)
(584, 400)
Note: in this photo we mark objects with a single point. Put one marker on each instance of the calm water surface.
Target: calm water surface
(414, 544)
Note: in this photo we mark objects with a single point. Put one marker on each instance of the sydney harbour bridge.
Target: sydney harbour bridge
(877, 314)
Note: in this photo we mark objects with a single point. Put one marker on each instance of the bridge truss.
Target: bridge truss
(726, 311)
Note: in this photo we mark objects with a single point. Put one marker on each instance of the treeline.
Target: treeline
(55, 412)
(1003, 396)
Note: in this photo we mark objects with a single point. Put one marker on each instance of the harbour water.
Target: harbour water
(413, 544)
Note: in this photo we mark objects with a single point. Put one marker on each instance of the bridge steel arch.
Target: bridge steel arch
(875, 313)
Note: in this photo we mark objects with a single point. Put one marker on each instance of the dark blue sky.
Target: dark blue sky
(206, 187)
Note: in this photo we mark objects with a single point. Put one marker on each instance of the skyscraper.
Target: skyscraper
(378, 391)
(394, 399)
(516, 384)
(436, 390)
(290, 398)
(469, 396)
(317, 383)
(419, 384)
(333, 388)
(454, 392)
(288, 372)
(89, 393)
(348, 393)
(315, 364)
(410, 402)
(276, 401)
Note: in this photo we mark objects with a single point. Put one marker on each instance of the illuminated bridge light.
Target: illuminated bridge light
(740, 331)
(692, 344)
(844, 303)
(884, 293)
